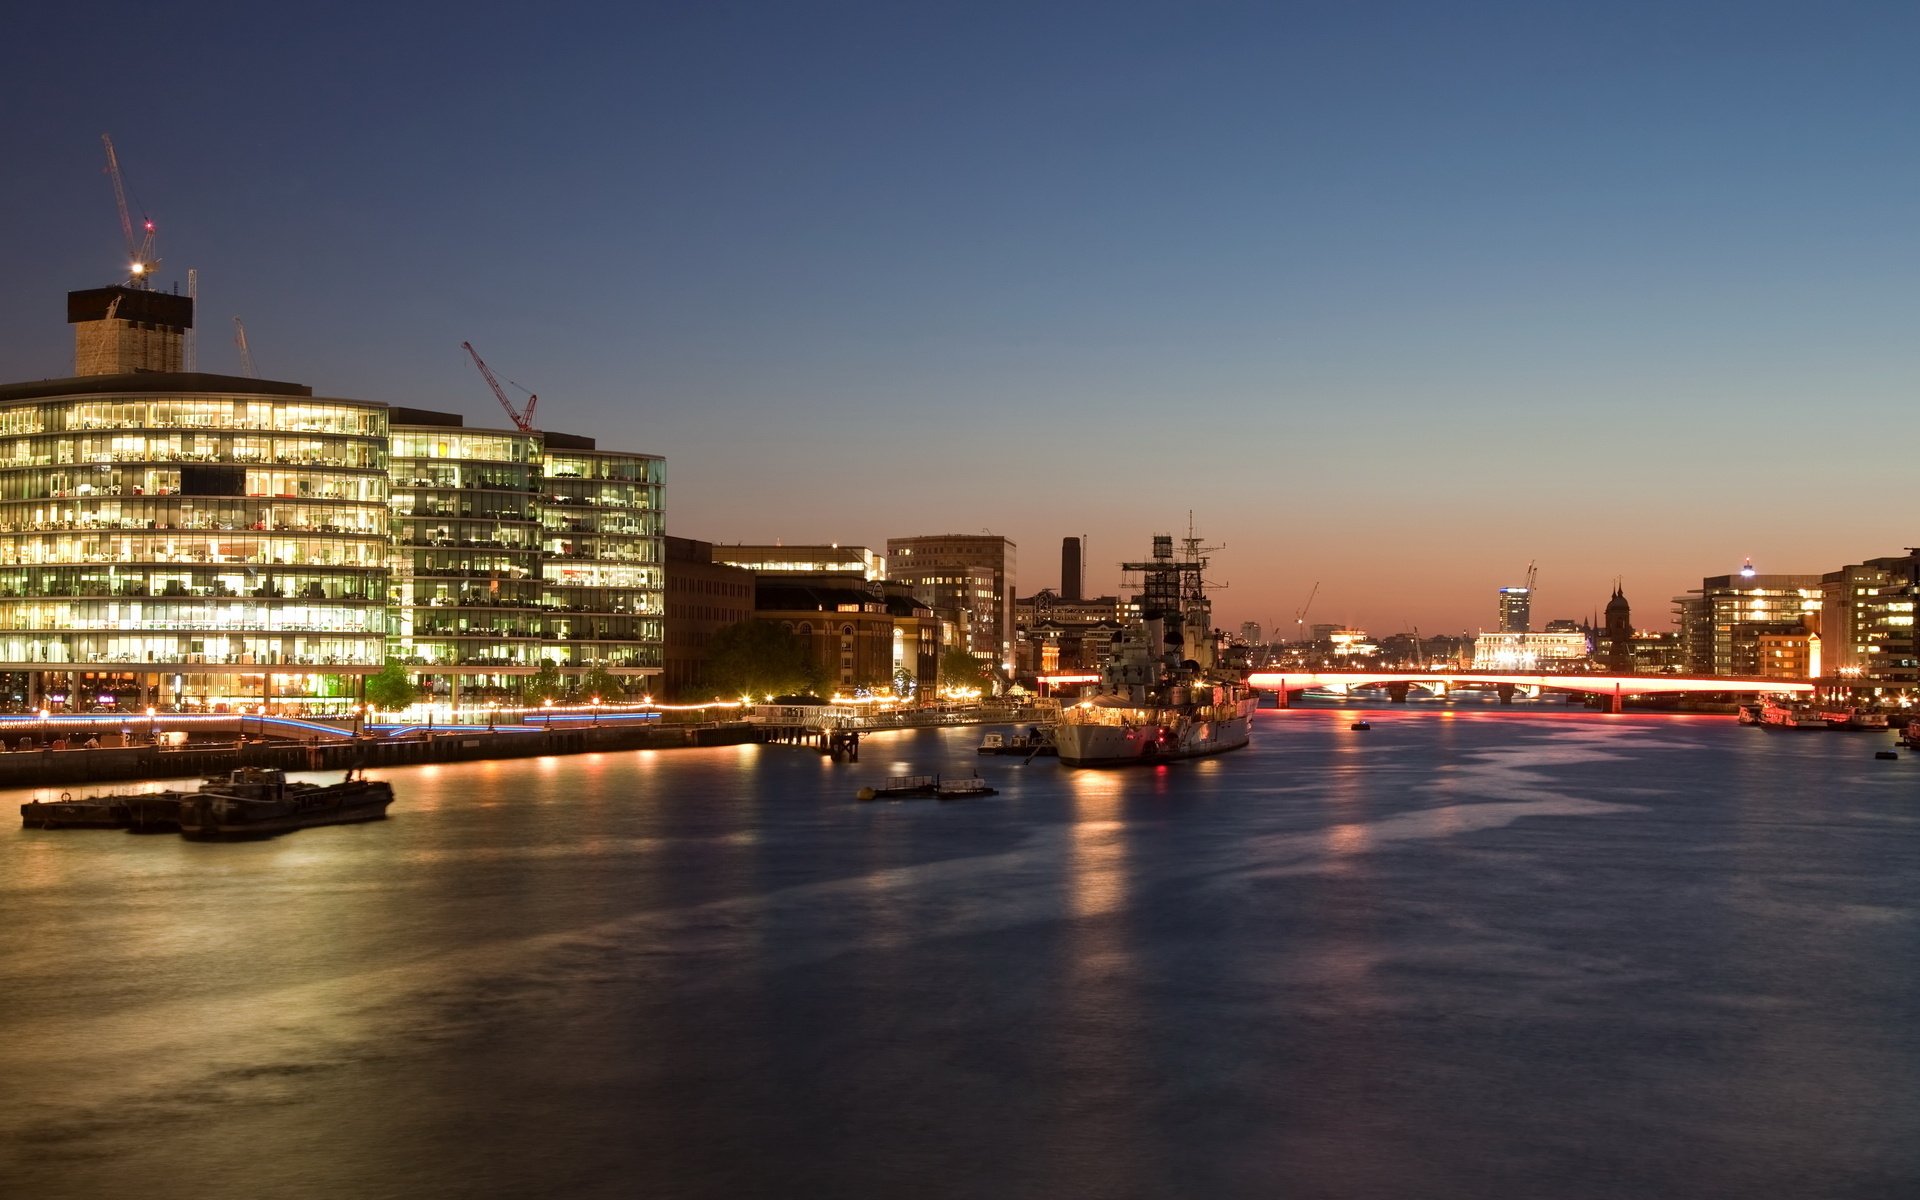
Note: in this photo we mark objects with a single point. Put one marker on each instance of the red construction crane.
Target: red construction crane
(522, 421)
(140, 260)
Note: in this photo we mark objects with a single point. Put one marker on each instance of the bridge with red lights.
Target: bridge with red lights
(1614, 688)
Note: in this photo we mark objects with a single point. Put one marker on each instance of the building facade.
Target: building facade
(702, 598)
(1867, 623)
(603, 559)
(832, 559)
(186, 539)
(1516, 609)
(944, 571)
(1707, 617)
(175, 538)
(467, 588)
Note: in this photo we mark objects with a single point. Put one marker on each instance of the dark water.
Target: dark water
(1466, 954)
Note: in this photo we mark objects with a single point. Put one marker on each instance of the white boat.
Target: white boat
(1160, 698)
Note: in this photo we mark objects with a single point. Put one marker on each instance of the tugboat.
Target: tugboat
(256, 802)
(1160, 698)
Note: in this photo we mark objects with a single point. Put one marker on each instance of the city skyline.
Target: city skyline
(1395, 303)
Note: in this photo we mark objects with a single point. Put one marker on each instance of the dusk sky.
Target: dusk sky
(1393, 297)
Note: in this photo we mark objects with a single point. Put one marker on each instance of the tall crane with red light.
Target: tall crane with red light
(521, 420)
(140, 260)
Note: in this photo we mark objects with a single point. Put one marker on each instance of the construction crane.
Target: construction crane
(1300, 614)
(246, 355)
(1533, 572)
(521, 420)
(140, 260)
(190, 349)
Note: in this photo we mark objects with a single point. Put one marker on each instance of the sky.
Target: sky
(1393, 299)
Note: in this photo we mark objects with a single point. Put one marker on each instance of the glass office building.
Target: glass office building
(172, 537)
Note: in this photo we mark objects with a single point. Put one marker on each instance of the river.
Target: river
(1467, 953)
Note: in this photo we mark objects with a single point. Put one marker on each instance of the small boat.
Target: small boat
(926, 787)
(1036, 741)
(255, 802)
(1361, 726)
(963, 789)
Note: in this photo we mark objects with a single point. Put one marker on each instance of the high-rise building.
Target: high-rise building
(602, 562)
(1710, 618)
(466, 567)
(184, 538)
(1516, 609)
(1867, 627)
(1070, 571)
(944, 570)
(178, 538)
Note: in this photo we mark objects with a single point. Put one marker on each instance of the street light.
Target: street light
(152, 738)
(596, 711)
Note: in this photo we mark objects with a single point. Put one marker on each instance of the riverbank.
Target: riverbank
(115, 764)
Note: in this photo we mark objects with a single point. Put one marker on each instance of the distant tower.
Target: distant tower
(1070, 568)
(1619, 632)
(1516, 609)
(121, 330)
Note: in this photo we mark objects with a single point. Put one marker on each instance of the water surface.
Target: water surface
(1467, 953)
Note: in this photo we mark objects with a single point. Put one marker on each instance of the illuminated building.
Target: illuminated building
(174, 538)
(1352, 643)
(832, 559)
(1503, 651)
(1781, 654)
(969, 573)
(466, 570)
(1516, 609)
(1054, 634)
(1867, 622)
(181, 538)
(602, 561)
(1708, 617)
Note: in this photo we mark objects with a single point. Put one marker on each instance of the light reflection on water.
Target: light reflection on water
(1454, 955)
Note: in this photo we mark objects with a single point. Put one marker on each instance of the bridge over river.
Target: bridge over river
(1614, 688)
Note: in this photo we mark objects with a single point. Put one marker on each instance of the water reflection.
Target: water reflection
(1444, 958)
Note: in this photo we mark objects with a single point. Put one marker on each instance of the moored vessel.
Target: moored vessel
(88, 812)
(927, 787)
(1778, 714)
(254, 802)
(1161, 698)
(1034, 741)
(140, 812)
(1855, 718)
